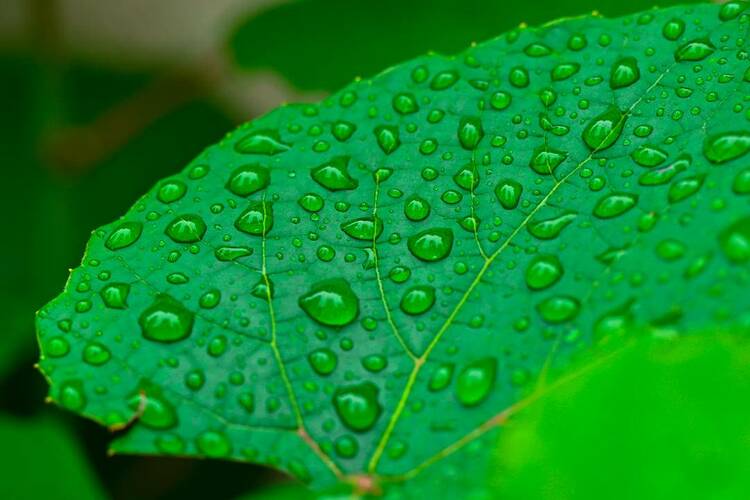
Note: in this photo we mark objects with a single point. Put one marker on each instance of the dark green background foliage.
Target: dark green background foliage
(86, 139)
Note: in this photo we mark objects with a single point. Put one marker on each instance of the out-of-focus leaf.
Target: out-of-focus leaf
(324, 44)
(660, 420)
(40, 459)
(49, 210)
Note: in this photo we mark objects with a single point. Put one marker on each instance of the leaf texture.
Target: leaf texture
(361, 291)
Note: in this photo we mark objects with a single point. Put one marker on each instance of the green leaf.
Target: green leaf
(358, 291)
(40, 459)
(658, 420)
(324, 44)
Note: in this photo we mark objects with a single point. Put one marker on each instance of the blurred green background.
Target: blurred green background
(100, 99)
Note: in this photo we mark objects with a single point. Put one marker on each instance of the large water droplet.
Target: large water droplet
(603, 130)
(405, 103)
(257, 219)
(418, 300)
(508, 193)
(545, 159)
(334, 175)
(416, 208)
(441, 377)
(735, 241)
(673, 29)
(115, 295)
(188, 228)
(727, 146)
(388, 138)
(171, 191)
(550, 228)
(262, 142)
(155, 411)
(615, 204)
(96, 354)
(249, 179)
(124, 235)
(543, 271)
(695, 50)
(470, 132)
(331, 302)
(364, 228)
(649, 156)
(475, 382)
(558, 309)
(624, 72)
(684, 188)
(323, 361)
(357, 406)
(166, 320)
(431, 245)
(213, 444)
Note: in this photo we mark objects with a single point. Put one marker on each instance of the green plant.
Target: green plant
(360, 292)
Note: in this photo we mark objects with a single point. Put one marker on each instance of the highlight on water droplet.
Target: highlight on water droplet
(331, 302)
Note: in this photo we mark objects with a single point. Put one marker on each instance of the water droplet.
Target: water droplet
(670, 249)
(311, 202)
(519, 77)
(558, 309)
(418, 300)
(441, 377)
(213, 444)
(603, 130)
(673, 29)
(399, 274)
(346, 447)
(228, 254)
(157, 412)
(210, 299)
(563, 71)
(166, 320)
(543, 271)
(735, 241)
(730, 11)
(475, 382)
(323, 361)
(124, 235)
(470, 132)
(405, 103)
(171, 191)
(444, 80)
(364, 228)
(614, 205)
(684, 188)
(56, 347)
(388, 138)
(331, 302)
(188, 228)
(431, 245)
(467, 177)
(334, 175)
(727, 146)
(342, 130)
(695, 50)
(262, 142)
(546, 159)
(357, 406)
(416, 208)
(550, 228)
(537, 50)
(249, 179)
(71, 395)
(374, 363)
(500, 100)
(257, 219)
(741, 184)
(624, 73)
(195, 379)
(508, 193)
(115, 295)
(649, 156)
(96, 354)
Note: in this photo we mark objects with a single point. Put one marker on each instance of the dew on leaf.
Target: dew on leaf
(614, 205)
(115, 295)
(262, 142)
(357, 406)
(624, 72)
(508, 193)
(249, 179)
(257, 219)
(334, 175)
(166, 320)
(331, 302)
(431, 245)
(543, 271)
(323, 361)
(475, 382)
(188, 228)
(558, 309)
(124, 235)
(603, 130)
(726, 146)
(418, 300)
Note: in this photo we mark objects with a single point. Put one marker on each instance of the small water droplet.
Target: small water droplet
(475, 382)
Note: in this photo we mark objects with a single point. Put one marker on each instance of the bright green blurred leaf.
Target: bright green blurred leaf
(357, 291)
(659, 420)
